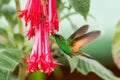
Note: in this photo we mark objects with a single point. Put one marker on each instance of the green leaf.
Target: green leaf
(73, 63)
(116, 38)
(10, 14)
(8, 9)
(4, 1)
(116, 45)
(9, 59)
(3, 33)
(86, 65)
(60, 6)
(58, 3)
(19, 39)
(81, 6)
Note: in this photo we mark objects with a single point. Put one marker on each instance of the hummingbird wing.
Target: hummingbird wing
(79, 32)
(84, 40)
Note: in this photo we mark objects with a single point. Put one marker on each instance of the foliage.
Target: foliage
(9, 59)
(116, 45)
(81, 6)
(85, 65)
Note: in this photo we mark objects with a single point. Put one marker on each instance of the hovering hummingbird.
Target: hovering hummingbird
(77, 40)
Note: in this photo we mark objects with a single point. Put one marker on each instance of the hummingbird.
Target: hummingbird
(79, 39)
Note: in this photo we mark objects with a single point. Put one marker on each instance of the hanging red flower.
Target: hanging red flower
(43, 19)
(40, 58)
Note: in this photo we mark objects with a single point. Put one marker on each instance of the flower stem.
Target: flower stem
(66, 16)
(20, 26)
(22, 72)
(22, 68)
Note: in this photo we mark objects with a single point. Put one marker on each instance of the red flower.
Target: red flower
(40, 58)
(38, 11)
(43, 19)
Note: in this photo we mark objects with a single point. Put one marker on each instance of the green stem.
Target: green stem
(22, 67)
(22, 72)
(17, 2)
(66, 16)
